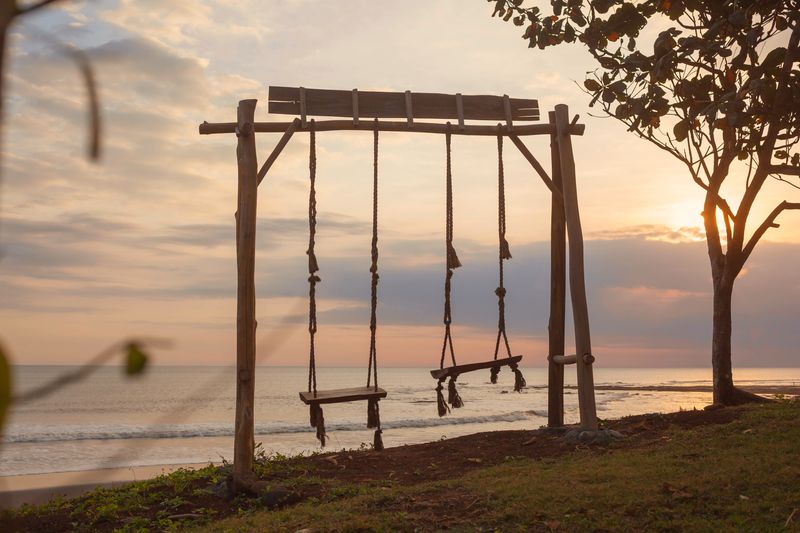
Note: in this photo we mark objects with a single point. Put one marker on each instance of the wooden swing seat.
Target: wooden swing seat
(453, 371)
(342, 395)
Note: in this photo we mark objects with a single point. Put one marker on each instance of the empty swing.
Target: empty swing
(452, 262)
(371, 392)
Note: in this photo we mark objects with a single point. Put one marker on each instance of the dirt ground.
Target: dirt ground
(403, 465)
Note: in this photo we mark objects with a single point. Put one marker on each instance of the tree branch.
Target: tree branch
(769, 222)
(784, 169)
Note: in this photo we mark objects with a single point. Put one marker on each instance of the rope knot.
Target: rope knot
(500, 292)
(314, 279)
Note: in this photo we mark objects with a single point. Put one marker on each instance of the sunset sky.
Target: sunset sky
(143, 242)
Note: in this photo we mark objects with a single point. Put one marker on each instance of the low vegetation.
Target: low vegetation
(734, 469)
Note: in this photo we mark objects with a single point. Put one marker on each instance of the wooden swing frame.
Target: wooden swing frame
(565, 218)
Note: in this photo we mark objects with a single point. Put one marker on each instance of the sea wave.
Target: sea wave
(59, 433)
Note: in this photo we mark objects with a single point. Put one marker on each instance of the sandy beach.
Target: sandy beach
(40, 488)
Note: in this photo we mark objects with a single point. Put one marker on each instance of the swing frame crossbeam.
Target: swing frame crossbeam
(565, 222)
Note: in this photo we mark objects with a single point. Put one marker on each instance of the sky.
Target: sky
(142, 243)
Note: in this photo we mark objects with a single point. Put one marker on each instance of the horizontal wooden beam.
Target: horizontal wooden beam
(212, 128)
(379, 104)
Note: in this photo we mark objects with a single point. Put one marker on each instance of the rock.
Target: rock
(616, 434)
(714, 407)
(277, 497)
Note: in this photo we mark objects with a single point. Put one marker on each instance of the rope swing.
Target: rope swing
(452, 372)
(316, 417)
(504, 254)
(372, 393)
(452, 262)
(373, 411)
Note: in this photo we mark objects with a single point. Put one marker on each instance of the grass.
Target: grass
(743, 476)
(740, 476)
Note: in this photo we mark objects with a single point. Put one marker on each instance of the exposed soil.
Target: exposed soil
(403, 465)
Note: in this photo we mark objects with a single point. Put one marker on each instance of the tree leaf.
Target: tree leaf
(592, 85)
(136, 360)
(681, 130)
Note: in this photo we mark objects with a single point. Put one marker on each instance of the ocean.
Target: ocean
(184, 415)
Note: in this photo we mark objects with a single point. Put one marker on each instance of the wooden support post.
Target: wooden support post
(535, 163)
(278, 149)
(460, 110)
(558, 283)
(409, 110)
(245, 297)
(355, 107)
(577, 283)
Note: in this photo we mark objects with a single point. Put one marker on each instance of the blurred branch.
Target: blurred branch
(135, 364)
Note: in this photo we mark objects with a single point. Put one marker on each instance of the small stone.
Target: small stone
(277, 497)
(615, 434)
(586, 437)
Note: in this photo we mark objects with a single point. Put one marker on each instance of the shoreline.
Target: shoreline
(40, 488)
(19, 489)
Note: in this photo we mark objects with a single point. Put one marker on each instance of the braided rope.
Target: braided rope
(452, 258)
(503, 250)
(372, 369)
(313, 267)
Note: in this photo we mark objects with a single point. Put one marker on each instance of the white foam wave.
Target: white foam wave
(57, 433)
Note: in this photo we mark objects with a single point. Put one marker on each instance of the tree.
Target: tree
(717, 87)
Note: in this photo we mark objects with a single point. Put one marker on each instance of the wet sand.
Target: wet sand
(40, 488)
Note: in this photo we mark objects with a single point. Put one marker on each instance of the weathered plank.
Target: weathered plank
(449, 371)
(342, 395)
(376, 104)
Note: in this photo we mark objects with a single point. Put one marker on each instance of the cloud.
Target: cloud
(652, 232)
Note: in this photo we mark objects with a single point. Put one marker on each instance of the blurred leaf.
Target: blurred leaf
(5, 387)
(136, 360)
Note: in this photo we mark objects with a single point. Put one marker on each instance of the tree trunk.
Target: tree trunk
(721, 342)
(725, 393)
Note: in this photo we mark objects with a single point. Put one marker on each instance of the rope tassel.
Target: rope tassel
(505, 251)
(453, 398)
(494, 372)
(318, 421)
(519, 379)
(440, 403)
(452, 258)
(373, 414)
(313, 266)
